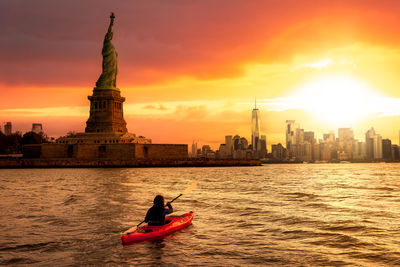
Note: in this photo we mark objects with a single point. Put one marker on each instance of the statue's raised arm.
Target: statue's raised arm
(109, 33)
(108, 77)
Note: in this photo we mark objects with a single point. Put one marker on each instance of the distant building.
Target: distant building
(263, 146)
(313, 154)
(291, 138)
(316, 153)
(325, 152)
(374, 145)
(369, 141)
(194, 150)
(377, 147)
(205, 149)
(207, 152)
(299, 149)
(255, 129)
(291, 127)
(395, 153)
(8, 128)
(387, 149)
(309, 137)
(278, 152)
(221, 152)
(37, 128)
(236, 143)
(307, 152)
(228, 146)
(359, 150)
(299, 136)
(299, 144)
(244, 143)
(345, 144)
(236, 148)
(211, 155)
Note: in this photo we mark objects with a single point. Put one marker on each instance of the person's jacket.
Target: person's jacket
(156, 214)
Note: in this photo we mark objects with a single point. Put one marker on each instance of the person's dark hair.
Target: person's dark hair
(159, 200)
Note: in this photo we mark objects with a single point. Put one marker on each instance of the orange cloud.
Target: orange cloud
(159, 107)
(60, 46)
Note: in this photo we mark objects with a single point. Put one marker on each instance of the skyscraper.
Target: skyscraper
(387, 149)
(369, 140)
(309, 137)
(377, 147)
(329, 137)
(228, 145)
(346, 142)
(194, 149)
(374, 145)
(263, 146)
(291, 127)
(255, 128)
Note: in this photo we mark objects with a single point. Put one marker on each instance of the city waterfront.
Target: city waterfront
(298, 214)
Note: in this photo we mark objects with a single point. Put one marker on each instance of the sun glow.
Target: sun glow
(335, 100)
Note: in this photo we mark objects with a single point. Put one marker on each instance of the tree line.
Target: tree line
(12, 144)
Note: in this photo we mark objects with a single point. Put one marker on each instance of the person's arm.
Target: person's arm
(169, 209)
(146, 219)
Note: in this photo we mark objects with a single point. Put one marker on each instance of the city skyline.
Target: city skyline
(6, 129)
(327, 66)
(342, 142)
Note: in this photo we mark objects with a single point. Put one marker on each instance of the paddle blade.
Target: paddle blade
(190, 188)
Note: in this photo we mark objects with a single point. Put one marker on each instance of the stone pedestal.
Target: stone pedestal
(106, 112)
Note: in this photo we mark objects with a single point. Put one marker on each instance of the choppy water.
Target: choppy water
(328, 214)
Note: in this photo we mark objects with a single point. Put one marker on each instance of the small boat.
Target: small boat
(172, 224)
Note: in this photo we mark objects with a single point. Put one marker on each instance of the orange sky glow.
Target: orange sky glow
(190, 70)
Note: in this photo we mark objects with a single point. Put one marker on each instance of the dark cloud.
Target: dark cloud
(47, 42)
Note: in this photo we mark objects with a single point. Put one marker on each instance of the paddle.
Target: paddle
(187, 190)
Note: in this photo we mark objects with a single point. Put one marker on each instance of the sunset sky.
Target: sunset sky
(190, 70)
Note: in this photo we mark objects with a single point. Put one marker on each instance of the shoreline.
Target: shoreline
(28, 163)
(323, 162)
(139, 163)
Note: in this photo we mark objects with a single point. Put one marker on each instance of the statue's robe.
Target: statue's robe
(108, 77)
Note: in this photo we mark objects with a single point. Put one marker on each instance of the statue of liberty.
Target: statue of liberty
(108, 77)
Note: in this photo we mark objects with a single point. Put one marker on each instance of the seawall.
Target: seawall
(138, 163)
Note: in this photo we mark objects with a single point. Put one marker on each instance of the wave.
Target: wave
(28, 247)
(17, 260)
(71, 199)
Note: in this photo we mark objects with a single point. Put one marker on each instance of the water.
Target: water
(310, 214)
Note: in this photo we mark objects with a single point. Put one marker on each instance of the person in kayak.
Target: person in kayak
(155, 216)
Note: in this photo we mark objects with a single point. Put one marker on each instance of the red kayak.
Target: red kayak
(172, 224)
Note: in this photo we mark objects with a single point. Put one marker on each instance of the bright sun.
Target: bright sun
(336, 100)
